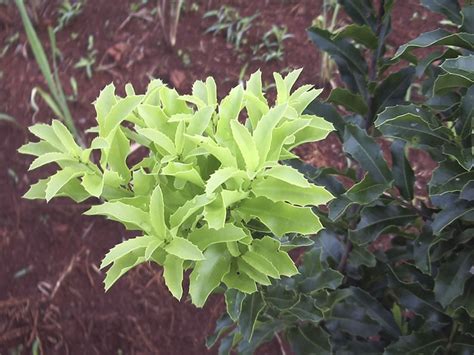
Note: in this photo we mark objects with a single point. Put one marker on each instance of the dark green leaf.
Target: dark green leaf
(362, 34)
(233, 301)
(361, 12)
(305, 311)
(401, 170)
(449, 8)
(449, 283)
(438, 37)
(411, 124)
(352, 319)
(448, 215)
(307, 340)
(445, 83)
(223, 324)
(468, 18)
(263, 333)
(392, 90)
(417, 343)
(353, 102)
(375, 220)
(316, 276)
(367, 152)
(462, 66)
(351, 64)
(375, 311)
(252, 306)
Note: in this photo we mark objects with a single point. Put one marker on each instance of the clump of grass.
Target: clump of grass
(228, 20)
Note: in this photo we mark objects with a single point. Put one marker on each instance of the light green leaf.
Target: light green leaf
(66, 138)
(48, 158)
(37, 148)
(251, 272)
(222, 175)
(157, 212)
(160, 139)
(59, 180)
(119, 113)
(260, 264)
(270, 249)
(118, 211)
(215, 213)
(278, 190)
(93, 184)
(104, 103)
(246, 145)
(205, 236)
(237, 280)
(281, 217)
(173, 275)
(200, 121)
(46, 132)
(262, 135)
(287, 174)
(120, 267)
(37, 191)
(208, 273)
(222, 154)
(186, 172)
(124, 248)
(184, 249)
(188, 209)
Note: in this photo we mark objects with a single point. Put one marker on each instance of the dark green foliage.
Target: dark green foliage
(392, 273)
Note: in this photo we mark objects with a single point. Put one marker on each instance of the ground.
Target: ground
(51, 291)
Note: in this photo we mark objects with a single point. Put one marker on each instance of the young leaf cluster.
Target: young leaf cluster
(211, 196)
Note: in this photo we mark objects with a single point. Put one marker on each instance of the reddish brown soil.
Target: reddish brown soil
(50, 288)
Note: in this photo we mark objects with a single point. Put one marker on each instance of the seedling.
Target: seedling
(229, 21)
(272, 45)
(211, 196)
(67, 11)
(87, 62)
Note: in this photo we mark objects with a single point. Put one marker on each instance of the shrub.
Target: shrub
(392, 272)
(210, 196)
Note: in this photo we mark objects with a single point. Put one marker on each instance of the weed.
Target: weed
(272, 44)
(55, 99)
(68, 11)
(87, 62)
(229, 21)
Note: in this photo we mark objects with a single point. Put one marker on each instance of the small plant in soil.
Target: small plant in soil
(210, 196)
(272, 46)
(228, 20)
(87, 63)
(67, 11)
